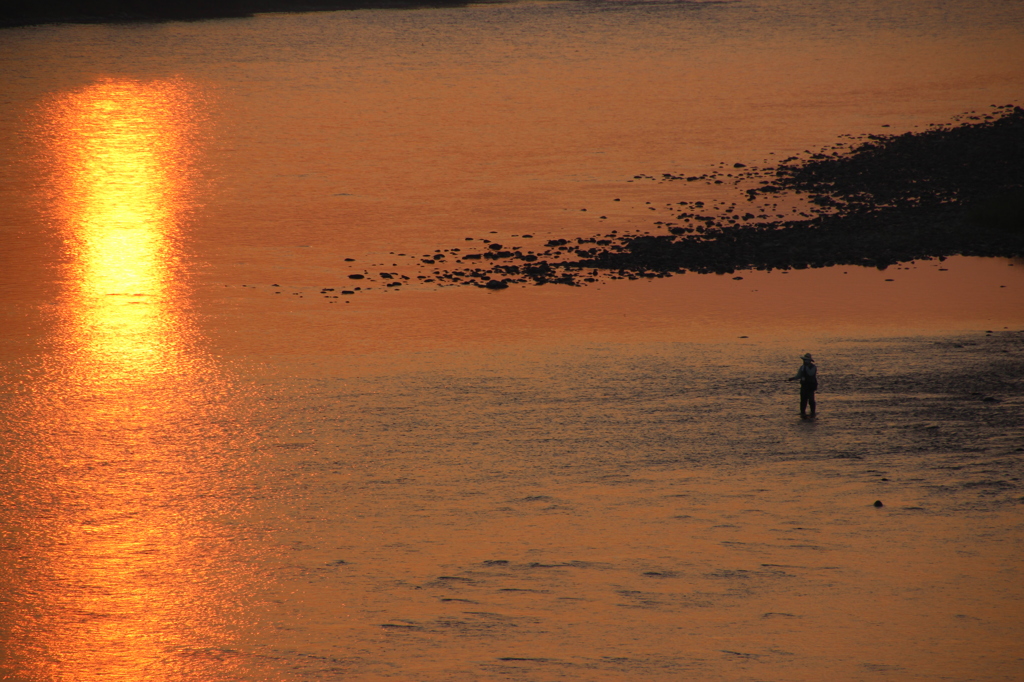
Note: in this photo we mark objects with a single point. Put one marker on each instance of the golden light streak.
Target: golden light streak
(126, 445)
(124, 156)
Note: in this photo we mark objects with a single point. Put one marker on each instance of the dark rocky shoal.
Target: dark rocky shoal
(878, 200)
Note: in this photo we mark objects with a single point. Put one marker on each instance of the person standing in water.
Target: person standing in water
(808, 376)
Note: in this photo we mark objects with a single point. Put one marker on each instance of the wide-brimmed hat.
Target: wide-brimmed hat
(807, 356)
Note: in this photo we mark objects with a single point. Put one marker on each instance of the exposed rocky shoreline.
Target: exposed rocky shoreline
(954, 189)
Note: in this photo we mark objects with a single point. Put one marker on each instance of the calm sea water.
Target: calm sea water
(215, 469)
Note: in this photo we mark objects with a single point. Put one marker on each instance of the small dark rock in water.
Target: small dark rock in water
(496, 284)
(878, 503)
(495, 562)
(356, 277)
(275, 285)
(989, 399)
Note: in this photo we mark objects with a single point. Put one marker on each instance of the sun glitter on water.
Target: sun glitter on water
(122, 154)
(124, 443)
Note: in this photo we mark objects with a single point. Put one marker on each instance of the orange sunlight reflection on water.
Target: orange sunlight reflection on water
(120, 451)
(122, 154)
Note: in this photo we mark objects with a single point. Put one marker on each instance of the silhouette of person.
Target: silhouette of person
(808, 376)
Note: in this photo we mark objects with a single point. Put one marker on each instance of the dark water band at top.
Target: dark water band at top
(27, 13)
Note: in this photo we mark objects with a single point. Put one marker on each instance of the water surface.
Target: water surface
(206, 476)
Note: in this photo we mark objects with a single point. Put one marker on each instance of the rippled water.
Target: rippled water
(209, 477)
